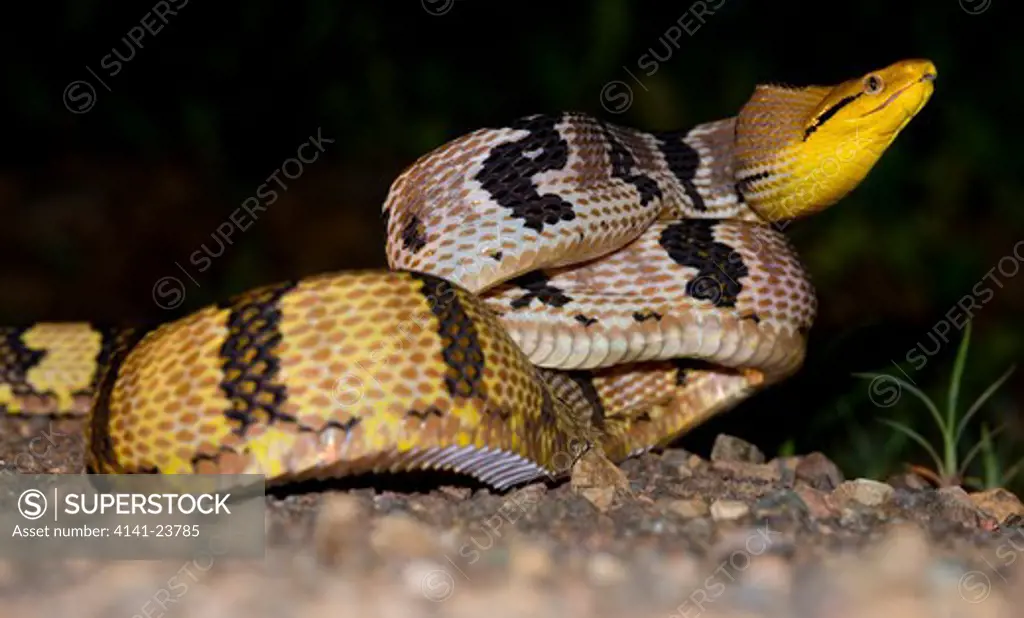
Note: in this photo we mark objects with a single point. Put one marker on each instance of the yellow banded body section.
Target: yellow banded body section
(336, 374)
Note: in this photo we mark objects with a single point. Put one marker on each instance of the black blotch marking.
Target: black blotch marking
(507, 173)
(719, 267)
(249, 361)
(753, 317)
(623, 164)
(643, 417)
(347, 426)
(585, 380)
(462, 352)
(425, 414)
(537, 286)
(643, 316)
(683, 161)
(16, 359)
(745, 183)
(214, 457)
(497, 255)
(584, 320)
(828, 113)
(414, 235)
(686, 366)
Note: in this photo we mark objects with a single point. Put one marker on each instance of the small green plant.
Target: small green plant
(949, 468)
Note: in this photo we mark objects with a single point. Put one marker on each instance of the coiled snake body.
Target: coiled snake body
(558, 283)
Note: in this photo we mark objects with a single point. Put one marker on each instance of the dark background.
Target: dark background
(97, 207)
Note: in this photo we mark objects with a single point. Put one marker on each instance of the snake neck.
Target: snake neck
(800, 150)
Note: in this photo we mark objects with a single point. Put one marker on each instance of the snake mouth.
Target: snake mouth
(926, 80)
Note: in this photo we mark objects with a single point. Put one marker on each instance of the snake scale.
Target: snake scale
(555, 283)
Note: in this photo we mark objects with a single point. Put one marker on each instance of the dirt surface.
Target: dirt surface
(729, 536)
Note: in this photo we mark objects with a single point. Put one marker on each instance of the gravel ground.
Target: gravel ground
(729, 536)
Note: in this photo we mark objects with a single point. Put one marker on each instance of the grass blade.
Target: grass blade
(980, 401)
(1012, 471)
(984, 447)
(958, 374)
(912, 390)
(916, 437)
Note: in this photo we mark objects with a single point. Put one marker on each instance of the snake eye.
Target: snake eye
(873, 84)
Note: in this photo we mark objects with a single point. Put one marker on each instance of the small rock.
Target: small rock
(675, 457)
(998, 503)
(731, 448)
(819, 504)
(864, 492)
(787, 469)
(403, 536)
(769, 473)
(605, 570)
(909, 481)
(729, 510)
(598, 480)
(675, 462)
(458, 493)
(819, 472)
(529, 560)
(783, 502)
(689, 509)
(954, 504)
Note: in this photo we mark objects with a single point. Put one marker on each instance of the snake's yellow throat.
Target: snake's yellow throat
(799, 150)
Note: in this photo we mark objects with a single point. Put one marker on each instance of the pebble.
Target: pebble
(695, 507)
(998, 503)
(457, 493)
(908, 480)
(865, 492)
(731, 448)
(676, 458)
(956, 505)
(782, 502)
(768, 473)
(729, 510)
(819, 472)
(598, 480)
(819, 504)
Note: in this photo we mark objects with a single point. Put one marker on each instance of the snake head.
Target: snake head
(799, 150)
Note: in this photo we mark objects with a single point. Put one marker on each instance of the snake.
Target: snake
(554, 284)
